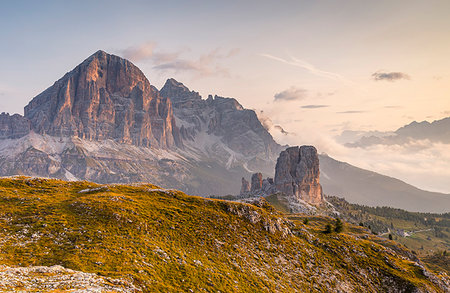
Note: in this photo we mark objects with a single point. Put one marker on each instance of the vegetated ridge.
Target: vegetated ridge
(165, 241)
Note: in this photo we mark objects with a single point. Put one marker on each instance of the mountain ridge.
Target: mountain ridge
(436, 131)
(133, 133)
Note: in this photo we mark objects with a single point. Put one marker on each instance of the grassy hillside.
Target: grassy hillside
(426, 234)
(166, 241)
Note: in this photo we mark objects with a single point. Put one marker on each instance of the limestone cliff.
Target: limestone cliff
(105, 97)
(239, 129)
(297, 174)
(13, 126)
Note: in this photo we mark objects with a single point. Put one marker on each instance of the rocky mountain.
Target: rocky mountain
(221, 127)
(105, 97)
(60, 236)
(436, 131)
(296, 181)
(104, 122)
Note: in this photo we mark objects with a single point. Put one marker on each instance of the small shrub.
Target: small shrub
(305, 221)
(328, 229)
(338, 226)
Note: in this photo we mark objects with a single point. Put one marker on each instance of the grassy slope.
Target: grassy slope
(426, 243)
(167, 241)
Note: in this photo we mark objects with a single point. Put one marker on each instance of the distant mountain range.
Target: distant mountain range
(365, 187)
(104, 122)
(436, 131)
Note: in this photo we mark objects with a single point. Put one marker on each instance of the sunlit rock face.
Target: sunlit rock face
(297, 174)
(105, 97)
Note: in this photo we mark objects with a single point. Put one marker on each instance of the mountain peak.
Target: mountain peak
(178, 92)
(171, 82)
(105, 97)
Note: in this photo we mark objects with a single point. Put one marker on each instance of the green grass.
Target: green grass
(166, 241)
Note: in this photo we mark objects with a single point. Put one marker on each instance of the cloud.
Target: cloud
(138, 53)
(268, 124)
(351, 112)
(307, 66)
(389, 76)
(314, 106)
(421, 163)
(291, 94)
(392, 107)
(279, 128)
(324, 95)
(205, 65)
(233, 52)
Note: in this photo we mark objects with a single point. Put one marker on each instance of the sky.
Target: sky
(315, 68)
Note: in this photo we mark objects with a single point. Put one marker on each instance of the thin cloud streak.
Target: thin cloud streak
(205, 65)
(351, 112)
(314, 106)
(307, 66)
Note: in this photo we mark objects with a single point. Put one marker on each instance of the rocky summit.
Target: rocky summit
(296, 179)
(223, 126)
(105, 97)
(297, 174)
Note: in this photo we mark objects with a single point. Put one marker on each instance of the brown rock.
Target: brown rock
(297, 174)
(105, 97)
(245, 188)
(257, 182)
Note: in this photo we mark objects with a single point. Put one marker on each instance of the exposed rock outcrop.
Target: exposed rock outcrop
(105, 97)
(57, 278)
(245, 188)
(239, 129)
(296, 178)
(297, 174)
(13, 126)
(259, 186)
(257, 182)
